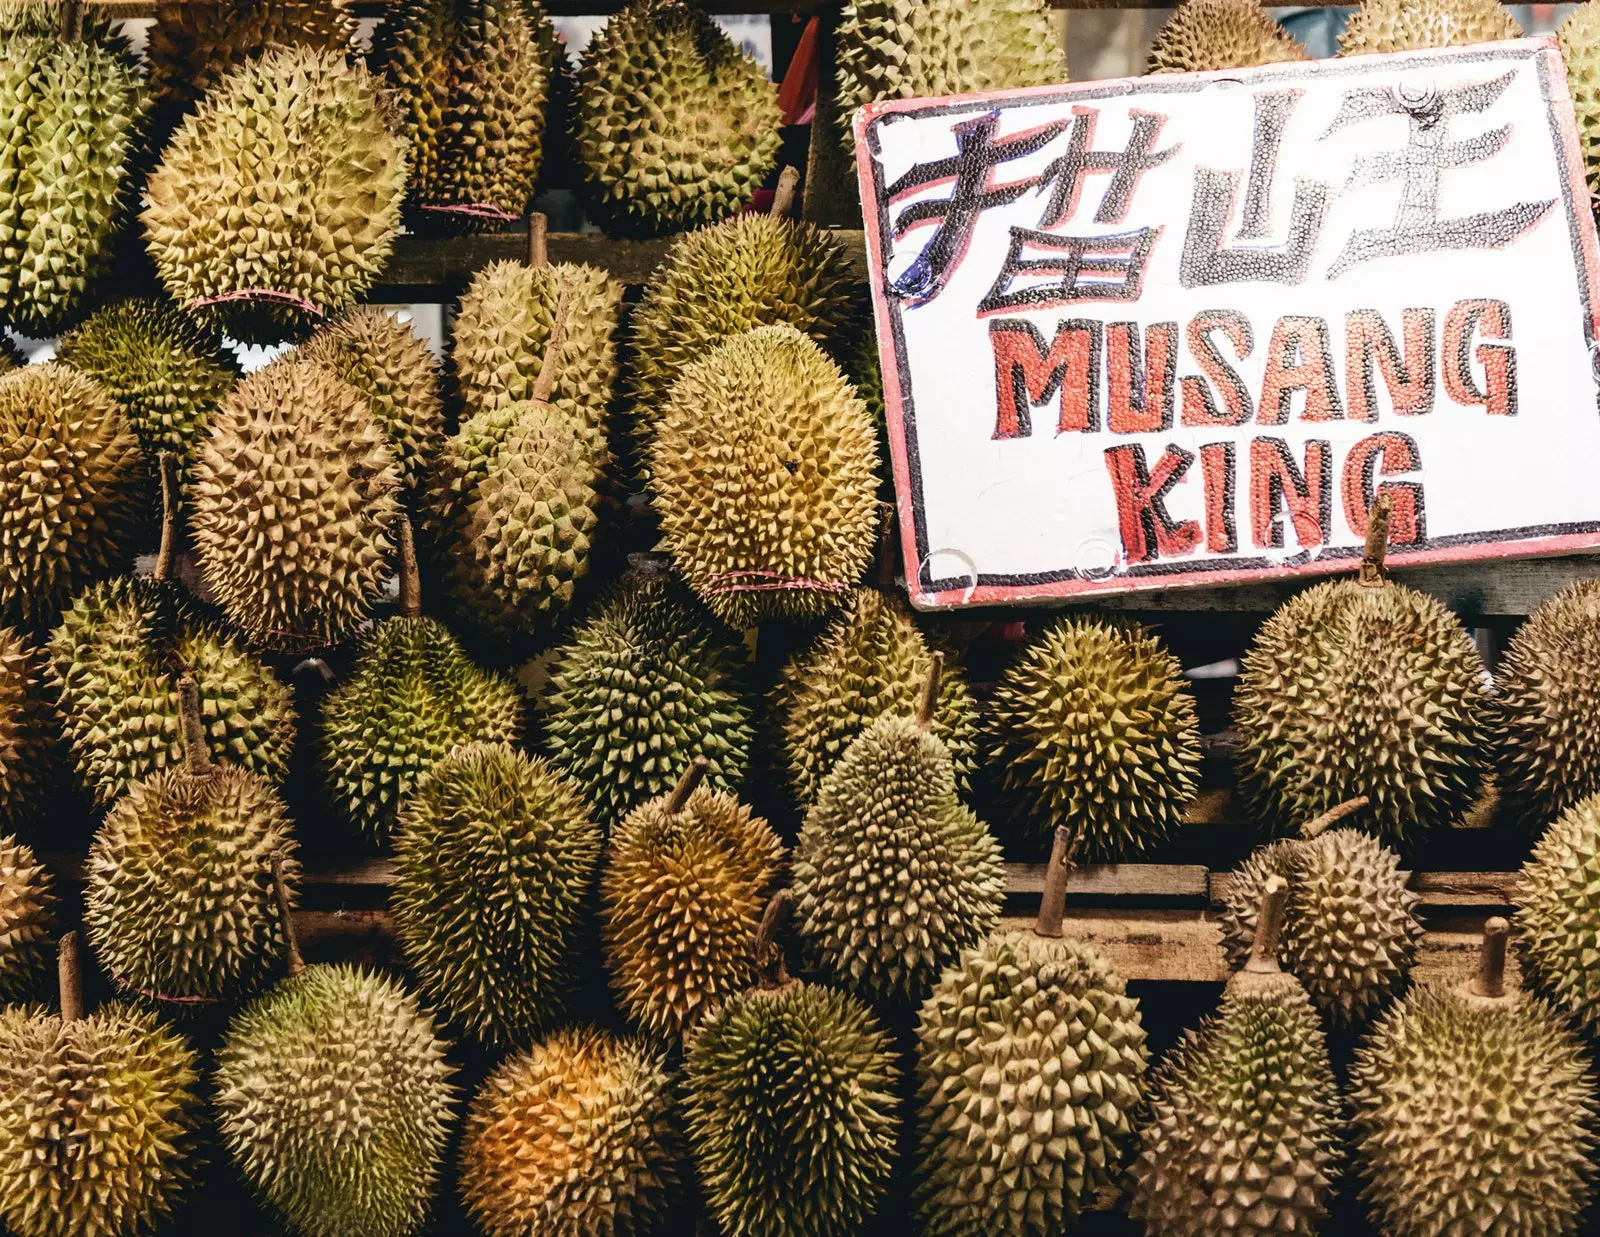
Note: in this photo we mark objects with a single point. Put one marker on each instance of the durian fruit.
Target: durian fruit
(26, 730)
(496, 862)
(904, 49)
(165, 372)
(1363, 688)
(791, 1105)
(278, 198)
(1030, 1070)
(1221, 34)
(1350, 931)
(411, 697)
(1413, 25)
(1093, 727)
(334, 1101)
(72, 488)
(764, 474)
(685, 881)
(179, 899)
(473, 81)
(1243, 1134)
(1558, 924)
(1579, 37)
(644, 685)
(74, 107)
(574, 1136)
(98, 1117)
(27, 917)
(1474, 1112)
(869, 661)
(893, 875)
(676, 126)
(382, 358)
(1547, 695)
(294, 493)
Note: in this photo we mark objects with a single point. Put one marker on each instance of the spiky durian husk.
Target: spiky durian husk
(871, 660)
(293, 496)
(334, 1100)
(893, 875)
(167, 374)
(1558, 924)
(681, 898)
(792, 1112)
(27, 920)
(1412, 25)
(575, 1137)
(496, 860)
(111, 670)
(382, 358)
(97, 1120)
(1473, 1117)
(1244, 1126)
(1221, 34)
(298, 143)
(1350, 690)
(764, 473)
(72, 489)
(26, 729)
(676, 127)
(1350, 929)
(179, 901)
(1579, 36)
(643, 686)
(1093, 728)
(1030, 1066)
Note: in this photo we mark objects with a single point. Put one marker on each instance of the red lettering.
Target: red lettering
(1277, 484)
(1498, 395)
(1198, 406)
(1410, 379)
(1026, 373)
(1387, 455)
(1148, 531)
(1217, 468)
(1298, 359)
(1134, 407)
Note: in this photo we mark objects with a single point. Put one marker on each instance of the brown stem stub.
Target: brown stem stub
(783, 195)
(538, 239)
(545, 384)
(888, 543)
(769, 954)
(1312, 828)
(1490, 980)
(686, 785)
(71, 20)
(1269, 927)
(169, 516)
(930, 691)
(410, 576)
(196, 759)
(69, 974)
(1373, 574)
(295, 963)
(1063, 862)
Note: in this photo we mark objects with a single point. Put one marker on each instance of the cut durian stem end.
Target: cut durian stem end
(69, 975)
(1063, 862)
(71, 20)
(196, 759)
(1490, 981)
(770, 964)
(1373, 572)
(886, 546)
(1319, 825)
(169, 515)
(686, 785)
(410, 576)
(783, 195)
(545, 384)
(538, 239)
(930, 691)
(294, 962)
(1263, 958)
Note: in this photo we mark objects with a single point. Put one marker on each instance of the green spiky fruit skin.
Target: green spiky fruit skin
(72, 490)
(1349, 691)
(1245, 1120)
(27, 921)
(1221, 34)
(412, 697)
(681, 897)
(644, 686)
(576, 1137)
(334, 1100)
(1093, 728)
(496, 862)
(871, 660)
(382, 358)
(74, 112)
(764, 470)
(113, 662)
(1579, 37)
(1558, 924)
(791, 1108)
(1030, 1068)
(166, 374)
(179, 902)
(893, 875)
(676, 127)
(1350, 928)
(1473, 1117)
(27, 730)
(97, 1119)
(1408, 26)
(322, 213)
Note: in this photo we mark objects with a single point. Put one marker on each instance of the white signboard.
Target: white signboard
(1182, 329)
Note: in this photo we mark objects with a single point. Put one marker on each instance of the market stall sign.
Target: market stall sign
(1183, 329)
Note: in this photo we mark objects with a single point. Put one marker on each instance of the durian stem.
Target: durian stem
(1331, 817)
(69, 976)
(169, 516)
(1063, 862)
(930, 691)
(538, 239)
(783, 195)
(545, 384)
(769, 956)
(1263, 958)
(71, 20)
(686, 784)
(196, 759)
(886, 546)
(410, 577)
(293, 960)
(1373, 574)
(1490, 980)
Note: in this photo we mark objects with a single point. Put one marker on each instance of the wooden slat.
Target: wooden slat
(1492, 891)
(1122, 880)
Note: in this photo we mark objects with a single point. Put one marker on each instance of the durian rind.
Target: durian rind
(1558, 920)
(1579, 37)
(27, 730)
(27, 921)
(1206, 35)
(1415, 25)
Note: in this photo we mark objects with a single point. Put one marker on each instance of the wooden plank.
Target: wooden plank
(1494, 892)
(1121, 880)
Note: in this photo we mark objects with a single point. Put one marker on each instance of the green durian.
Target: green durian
(412, 696)
(574, 1136)
(1414, 25)
(764, 475)
(1221, 34)
(644, 685)
(27, 730)
(27, 918)
(676, 127)
(1244, 1126)
(1558, 923)
(1579, 37)
(1474, 1112)
(685, 880)
(1093, 727)
(496, 862)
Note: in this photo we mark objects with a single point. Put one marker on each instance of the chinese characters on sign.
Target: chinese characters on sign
(1183, 329)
